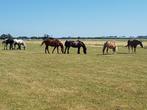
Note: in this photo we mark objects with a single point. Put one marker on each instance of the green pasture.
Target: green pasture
(32, 80)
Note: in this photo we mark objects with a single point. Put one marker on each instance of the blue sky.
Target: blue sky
(73, 17)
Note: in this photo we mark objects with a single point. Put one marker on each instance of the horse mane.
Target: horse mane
(83, 45)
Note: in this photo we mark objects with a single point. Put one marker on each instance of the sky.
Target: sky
(63, 18)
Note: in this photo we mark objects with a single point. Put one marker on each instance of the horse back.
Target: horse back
(110, 44)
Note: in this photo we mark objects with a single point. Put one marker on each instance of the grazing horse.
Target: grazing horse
(7, 42)
(76, 44)
(53, 43)
(109, 45)
(19, 43)
(133, 45)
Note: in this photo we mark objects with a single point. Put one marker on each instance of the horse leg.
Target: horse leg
(78, 50)
(65, 50)
(6, 46)
(68, 50)
(104, 50)
(57, 49)
(129, 49)
(114, 49)
(14, 46)
(46, 49)
(53, 50)
(134, 49)
(24, 46)
(107, 50)
(19, 46)
(10, 48)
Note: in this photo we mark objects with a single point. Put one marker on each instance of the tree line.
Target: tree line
(5, 36)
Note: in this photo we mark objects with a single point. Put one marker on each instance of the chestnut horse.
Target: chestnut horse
(53, 43)
(76, 44)
(109, 45)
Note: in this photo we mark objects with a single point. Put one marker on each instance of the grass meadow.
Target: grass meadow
(33, 80)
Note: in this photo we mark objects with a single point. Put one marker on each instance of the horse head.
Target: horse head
(84, 47)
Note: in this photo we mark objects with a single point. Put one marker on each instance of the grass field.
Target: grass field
(32, 80)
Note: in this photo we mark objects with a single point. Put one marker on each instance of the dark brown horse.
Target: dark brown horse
(75, 44)
(133, 45)
(53, 43)
(109, 45)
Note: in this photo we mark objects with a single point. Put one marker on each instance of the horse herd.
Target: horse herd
(14, 44)
(56, 43)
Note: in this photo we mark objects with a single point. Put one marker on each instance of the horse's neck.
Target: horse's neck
(136, 43)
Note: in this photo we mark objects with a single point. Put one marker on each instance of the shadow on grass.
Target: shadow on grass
(123, 53)
(109, 54)
(145, 47)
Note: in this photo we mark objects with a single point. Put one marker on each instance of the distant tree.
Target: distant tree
(46, 36)
(4, 36)
(9, 36)
(142, 37)
(34, 37)
(78, 37)
(22, 37)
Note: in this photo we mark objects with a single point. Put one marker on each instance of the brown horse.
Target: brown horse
(53, 43)
(109, 45)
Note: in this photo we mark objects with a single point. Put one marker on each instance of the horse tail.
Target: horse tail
(66, 43)
(104, 47)
(42, 43)
(128, 43)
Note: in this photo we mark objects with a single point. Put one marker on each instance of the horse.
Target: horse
(19, 43)
(7, 42)
(75, 44)
(53, 43)
(109, 45)
(133, 45)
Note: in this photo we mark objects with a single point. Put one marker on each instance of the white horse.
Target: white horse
(19, 43)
